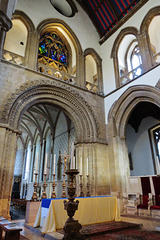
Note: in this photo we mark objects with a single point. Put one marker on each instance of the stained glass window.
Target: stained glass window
(52, 49)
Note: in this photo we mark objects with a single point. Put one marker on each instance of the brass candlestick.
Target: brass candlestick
(71, 227)
(88, 193)
(63, 186)
(35, 197)
(81, 187)
(44, 195)
(53, 186)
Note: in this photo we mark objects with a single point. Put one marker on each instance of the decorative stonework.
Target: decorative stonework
(48, 91)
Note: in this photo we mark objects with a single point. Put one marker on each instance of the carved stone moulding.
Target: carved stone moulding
(50, 92)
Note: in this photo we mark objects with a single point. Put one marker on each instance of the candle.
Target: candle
(80, 166)
(87, 166)
(72, 151)
(36, 167)
(74, 162)
(45, 168)
(54, 166)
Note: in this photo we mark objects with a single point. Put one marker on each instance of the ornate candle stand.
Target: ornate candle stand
(53, 186)
(34, 196)
(88, 193)
(44, 195)
(71, 227)
(81, 187)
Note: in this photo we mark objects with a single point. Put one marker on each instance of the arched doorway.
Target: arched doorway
(118, 118)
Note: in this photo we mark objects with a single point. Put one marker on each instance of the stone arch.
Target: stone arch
(20, 15)
(148, 18)
(25, 19)
(117, 122)
(144, 32)
(51, 22)
(98, 60)
(41, 91)
(114, 52)
(122, 108)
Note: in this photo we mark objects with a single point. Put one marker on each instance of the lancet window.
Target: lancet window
(156, 134)
(155, 144)
(53, 52)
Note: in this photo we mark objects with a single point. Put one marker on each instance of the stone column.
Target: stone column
(144, 51)
(5, 25)
(8, 142)
(32, 50)
(6, 10)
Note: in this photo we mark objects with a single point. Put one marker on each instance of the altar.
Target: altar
(52, 216)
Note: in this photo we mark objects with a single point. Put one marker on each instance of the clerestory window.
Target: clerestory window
(136, 62)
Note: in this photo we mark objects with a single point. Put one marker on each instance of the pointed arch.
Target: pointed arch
(122, 108)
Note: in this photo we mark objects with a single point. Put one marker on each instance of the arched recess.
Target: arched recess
(21, 16)
(114, 53)
(117, 123)
(71, 40)
(144, 31)
(99, 78)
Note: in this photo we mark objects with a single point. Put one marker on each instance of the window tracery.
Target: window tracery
(126, 55)
(53, 52)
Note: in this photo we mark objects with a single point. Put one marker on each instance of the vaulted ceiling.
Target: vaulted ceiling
(108, 15)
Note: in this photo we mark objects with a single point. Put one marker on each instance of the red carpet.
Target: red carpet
(117, 231)
(132, 234)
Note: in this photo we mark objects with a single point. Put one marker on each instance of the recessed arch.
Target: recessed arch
(70, 101)
(91, 52)
(144, 30)
(20, 15)
(122, 108)
(115, 49)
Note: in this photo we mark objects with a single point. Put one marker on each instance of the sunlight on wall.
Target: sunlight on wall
(16, 38)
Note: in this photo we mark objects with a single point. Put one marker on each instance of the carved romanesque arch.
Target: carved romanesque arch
(121, 110)
(41, 91)
(114, 52)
